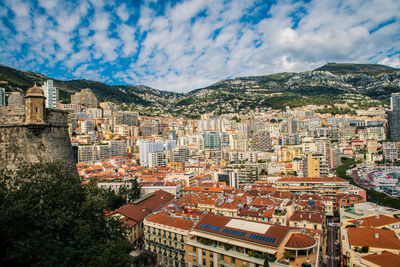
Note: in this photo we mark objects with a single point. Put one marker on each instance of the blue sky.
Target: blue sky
(183, 45)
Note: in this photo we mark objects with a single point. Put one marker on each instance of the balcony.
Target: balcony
(229, 251)
(166, 246)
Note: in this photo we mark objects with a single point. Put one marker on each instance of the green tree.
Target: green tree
(116, 199)
(48, 218)
(134, 191)
(266, 262)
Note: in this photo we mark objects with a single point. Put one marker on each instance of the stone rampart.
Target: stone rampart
(31, 143)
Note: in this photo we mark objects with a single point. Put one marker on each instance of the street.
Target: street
(333, 258)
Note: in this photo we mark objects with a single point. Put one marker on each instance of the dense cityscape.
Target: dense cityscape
(200, 133)
(283, 187)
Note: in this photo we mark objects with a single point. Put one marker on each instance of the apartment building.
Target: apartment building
(223, 241)
(325, 186)
(165, 234)
(315, 165)
(134, 214)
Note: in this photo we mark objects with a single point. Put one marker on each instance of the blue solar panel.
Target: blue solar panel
(234, 232)
(262, 238)
(210, 227)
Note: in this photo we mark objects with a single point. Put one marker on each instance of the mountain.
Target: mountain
(325, 85)
(15, 80)
(328, 84)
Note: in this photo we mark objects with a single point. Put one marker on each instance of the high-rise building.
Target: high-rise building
(129, 118)
(180, 154)
(2, 97)
(389, 151)
(395, 102)
(212, 140)
(157, 159)
(86, 98)
(149, 127)
(394, 118)
(315, 165)
(51, 94)
(146, 147)
(261, 142)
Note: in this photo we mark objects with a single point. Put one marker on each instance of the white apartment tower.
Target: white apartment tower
(51, 94)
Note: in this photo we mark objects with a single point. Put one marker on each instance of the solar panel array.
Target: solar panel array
(234, 232)
(210, 227)
(262, 238)
(238, 233)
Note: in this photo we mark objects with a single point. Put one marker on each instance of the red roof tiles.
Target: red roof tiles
(383, 259)
(375, 221)
(376, 238)
(300, 241)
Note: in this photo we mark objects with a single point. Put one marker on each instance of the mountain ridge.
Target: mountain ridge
(232, 95)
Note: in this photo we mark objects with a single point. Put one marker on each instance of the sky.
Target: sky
(183, 45)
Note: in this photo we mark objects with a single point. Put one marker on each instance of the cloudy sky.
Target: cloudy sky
(182, 45)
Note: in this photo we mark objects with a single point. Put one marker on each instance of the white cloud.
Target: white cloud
(123, 12)
(194, 43)
(127, 36)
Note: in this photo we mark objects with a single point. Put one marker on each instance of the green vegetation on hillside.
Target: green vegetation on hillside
(344, 68)
(324, 86)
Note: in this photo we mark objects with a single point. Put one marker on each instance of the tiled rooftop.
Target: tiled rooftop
(220, 222)
(377, 238)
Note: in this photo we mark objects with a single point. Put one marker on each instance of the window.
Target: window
(222, 257)
(233, 260)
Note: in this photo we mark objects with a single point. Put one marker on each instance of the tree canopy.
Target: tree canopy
(48, 218)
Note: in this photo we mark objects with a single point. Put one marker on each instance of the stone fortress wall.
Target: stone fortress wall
(22, 142)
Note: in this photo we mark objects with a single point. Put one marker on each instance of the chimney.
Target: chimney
(376, 235)
(377, 216)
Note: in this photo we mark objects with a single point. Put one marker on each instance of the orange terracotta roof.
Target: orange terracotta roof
(383, 259)
(375, 221)
(262, 202)
(229, 206)
(299, 241)
(172, 221)
(314, 217)
(81, 165)
(375, 238)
